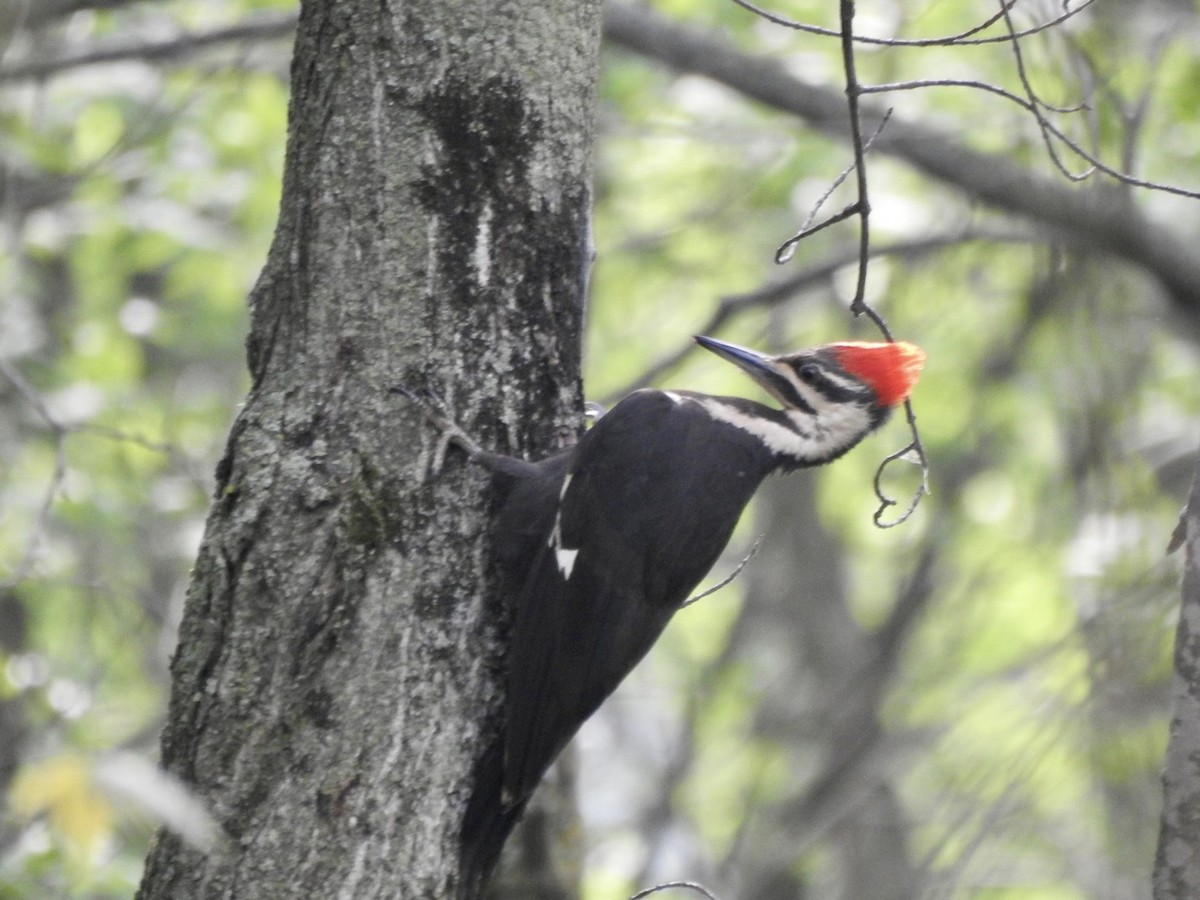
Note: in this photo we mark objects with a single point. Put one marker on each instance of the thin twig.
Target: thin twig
(886, 502)
(29, 556)
(1045, 125)
(859, 305)
(668, 885)
(788, 248)
(918, 84)
(732, 306)
(961, 39)
(728, 578)
(1035, 104)
(1031, 103)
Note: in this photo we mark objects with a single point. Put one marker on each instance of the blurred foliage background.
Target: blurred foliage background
(972, 704)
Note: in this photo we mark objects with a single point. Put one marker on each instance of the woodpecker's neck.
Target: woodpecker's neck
(796, 438)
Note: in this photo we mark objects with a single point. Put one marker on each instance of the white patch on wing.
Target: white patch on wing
(566, 561)
(564, 556)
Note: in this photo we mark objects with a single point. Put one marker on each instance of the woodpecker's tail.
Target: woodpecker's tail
(486, 823)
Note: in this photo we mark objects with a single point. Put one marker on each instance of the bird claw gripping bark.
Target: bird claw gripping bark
(437, 413)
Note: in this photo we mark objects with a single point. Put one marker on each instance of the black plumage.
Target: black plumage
(604, 541)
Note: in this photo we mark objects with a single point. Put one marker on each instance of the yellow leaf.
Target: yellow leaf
(62, 788)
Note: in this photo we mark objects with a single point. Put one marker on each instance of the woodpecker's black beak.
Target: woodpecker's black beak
(759, 367)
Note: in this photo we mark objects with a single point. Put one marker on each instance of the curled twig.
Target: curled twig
(668, 885)
(859, 305)
(886, 502)
(861, 208)
(737, 570)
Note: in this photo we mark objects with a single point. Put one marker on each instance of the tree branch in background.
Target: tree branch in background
(962, 39)
(39, 12)
(269, 26)
(731, 307)
(1107, 221)
(29, 556)
(60, 432)
(859, 305)
(1036, 106)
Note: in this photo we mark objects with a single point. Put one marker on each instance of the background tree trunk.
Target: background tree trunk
(1177, 863)
(826, 679)
(337, 670)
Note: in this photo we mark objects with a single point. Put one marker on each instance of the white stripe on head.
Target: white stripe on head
(836, 427)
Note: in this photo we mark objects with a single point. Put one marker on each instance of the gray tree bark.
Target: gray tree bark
(338, 664)
(1177, 862)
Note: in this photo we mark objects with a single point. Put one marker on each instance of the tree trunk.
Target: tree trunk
(339, 657)
(1177, 863)
(830, 677)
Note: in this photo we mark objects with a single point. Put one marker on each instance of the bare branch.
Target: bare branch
(788, 248)
(859, 305)
(256, 28)
(919, 84)
(1103, 220)
(729, 308)
(964, 38)
(1046, 126)
(29, 556)
(668, 885)
(1035, 104)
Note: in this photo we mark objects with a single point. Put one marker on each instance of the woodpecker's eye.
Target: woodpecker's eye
(809, 372)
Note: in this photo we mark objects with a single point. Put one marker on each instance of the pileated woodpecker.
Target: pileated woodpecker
(603, 541)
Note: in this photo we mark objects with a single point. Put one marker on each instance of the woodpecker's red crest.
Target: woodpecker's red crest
(891, 369)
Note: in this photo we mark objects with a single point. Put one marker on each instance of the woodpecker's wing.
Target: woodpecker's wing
(648, 501)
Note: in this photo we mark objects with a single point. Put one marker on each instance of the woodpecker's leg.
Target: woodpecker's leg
(449, 431)
(452, 433)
